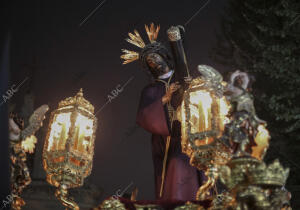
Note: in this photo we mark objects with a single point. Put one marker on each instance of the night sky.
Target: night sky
(57, 57)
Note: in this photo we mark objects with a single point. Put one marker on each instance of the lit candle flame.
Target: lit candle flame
(262, 140)
(59, 131)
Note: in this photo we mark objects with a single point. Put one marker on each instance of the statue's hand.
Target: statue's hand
(173, 88)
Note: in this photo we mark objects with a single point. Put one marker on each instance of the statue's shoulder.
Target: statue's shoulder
(152, 89)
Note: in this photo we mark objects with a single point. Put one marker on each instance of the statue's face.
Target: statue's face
(239, 81)
(157, 64)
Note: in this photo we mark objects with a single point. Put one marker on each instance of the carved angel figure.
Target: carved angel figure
(244, 125)
(237, 91)
(22, 141)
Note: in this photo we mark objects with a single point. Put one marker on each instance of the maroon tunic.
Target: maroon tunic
(181, 180)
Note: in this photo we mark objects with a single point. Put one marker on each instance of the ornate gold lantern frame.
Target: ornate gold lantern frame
(69, 146)
(203, 117)
(205, 139)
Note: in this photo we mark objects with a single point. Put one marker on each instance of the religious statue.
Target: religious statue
(22, 141)
(175, 178)
(245, 124)
(238, 88)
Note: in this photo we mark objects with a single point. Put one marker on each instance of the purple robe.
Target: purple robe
(181, 179)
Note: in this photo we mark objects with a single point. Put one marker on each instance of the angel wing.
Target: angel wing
(35, 122)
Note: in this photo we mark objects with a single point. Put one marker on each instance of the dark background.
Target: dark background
(55, 51)
(4, 66)
(56, 56)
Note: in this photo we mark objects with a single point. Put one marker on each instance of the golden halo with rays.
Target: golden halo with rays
(136, 39)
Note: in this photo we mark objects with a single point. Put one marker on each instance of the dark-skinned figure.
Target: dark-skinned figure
(175, 178)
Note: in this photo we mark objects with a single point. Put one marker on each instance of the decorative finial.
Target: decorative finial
(152, 32)
(80, 93)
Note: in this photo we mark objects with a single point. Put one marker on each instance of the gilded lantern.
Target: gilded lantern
(69, 145)
(203, 117)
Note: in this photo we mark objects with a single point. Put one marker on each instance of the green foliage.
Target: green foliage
(263, 38)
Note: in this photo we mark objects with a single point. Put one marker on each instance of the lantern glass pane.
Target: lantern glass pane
(200, 111)
(224, 108)
(59, 132)
(83, 134)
